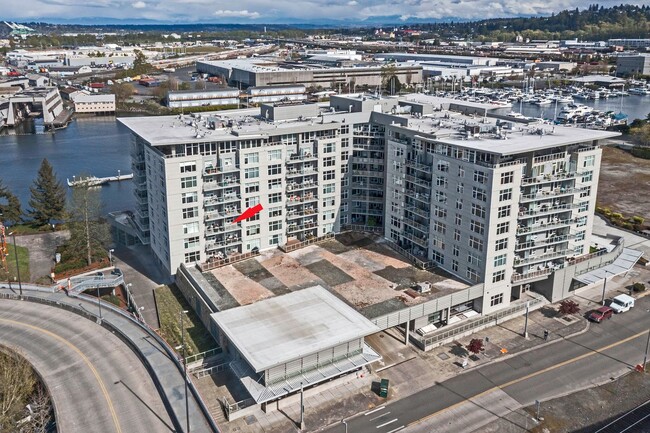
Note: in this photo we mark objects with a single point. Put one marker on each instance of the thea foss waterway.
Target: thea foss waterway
(97, 146)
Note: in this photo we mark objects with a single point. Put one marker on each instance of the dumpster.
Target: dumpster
(383, 388)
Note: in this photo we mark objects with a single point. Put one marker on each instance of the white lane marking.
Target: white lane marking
(396, 430)
(380, 416)
(377, 409)
(386, 423)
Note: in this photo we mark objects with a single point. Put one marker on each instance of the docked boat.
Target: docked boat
(639, 91)
(93, 181)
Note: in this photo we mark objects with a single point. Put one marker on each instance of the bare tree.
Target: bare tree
(89, 234)
(17, 382)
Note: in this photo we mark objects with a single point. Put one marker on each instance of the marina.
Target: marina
(98, 181)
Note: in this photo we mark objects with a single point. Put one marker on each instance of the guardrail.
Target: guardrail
(210, 370)
(236, 406)
(296, 246)
(474, 323)
(203, 355)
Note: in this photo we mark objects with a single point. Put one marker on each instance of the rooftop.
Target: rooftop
(288, 327)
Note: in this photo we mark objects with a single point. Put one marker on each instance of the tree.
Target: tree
(569, 307)
(17, 382)
(10, 210)
(89, 234)
(123, 91)
(48, 196)
(475, 346)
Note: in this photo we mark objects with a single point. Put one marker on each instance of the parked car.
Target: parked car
(622, 303)
(99, 275)
(601, 314)
(117, 272)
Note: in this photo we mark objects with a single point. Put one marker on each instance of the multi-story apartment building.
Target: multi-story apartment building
(489, 198)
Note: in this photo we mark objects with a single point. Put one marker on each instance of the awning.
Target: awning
(622, 264)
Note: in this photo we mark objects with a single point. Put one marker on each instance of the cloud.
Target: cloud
(353, 3)
(237, 14)
(139, 5)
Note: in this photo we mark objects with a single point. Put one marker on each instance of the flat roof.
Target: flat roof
(288, 327)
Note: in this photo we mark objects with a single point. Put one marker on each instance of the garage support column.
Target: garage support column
(448, 314)
(406, 334)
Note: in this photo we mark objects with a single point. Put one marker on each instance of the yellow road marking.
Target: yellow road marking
(528, 376)
(118, 429)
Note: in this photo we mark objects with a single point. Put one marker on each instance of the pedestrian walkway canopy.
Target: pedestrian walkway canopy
(622, 264)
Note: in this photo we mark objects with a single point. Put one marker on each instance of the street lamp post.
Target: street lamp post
(99, 302)
(345, 423)
(645, 356)
(110, 256)
(20, 285)
(128, 296)
(526, 321)
(602, 301)
(187, 407)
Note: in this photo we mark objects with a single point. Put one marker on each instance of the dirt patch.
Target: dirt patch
(622, 177)
(258, 273)
(329, 273)
(407, 277)
(334, 246)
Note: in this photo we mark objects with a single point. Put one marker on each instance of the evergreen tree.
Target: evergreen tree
(10, 210)
(48, 196)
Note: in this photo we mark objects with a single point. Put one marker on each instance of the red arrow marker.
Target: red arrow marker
(248, 213)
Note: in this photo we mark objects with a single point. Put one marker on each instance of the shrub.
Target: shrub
(569, 307)
(637, 219)
(475, 346)
(616, 216)
(638, 287)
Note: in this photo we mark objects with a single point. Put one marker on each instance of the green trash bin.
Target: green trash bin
(383, 388)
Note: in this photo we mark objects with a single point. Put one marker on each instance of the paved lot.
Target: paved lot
(42, 250)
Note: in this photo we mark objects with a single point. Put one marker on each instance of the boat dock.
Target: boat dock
(98, 181)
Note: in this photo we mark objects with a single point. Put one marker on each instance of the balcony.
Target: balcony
(426, 183)
(544, 227)
(301, 172)
(213, 200)
(549, 210)
(223, 242)
(546, 178)
(417, 166)
(420, 240)
(541, 258)
(296, 214)
(214, 229)
(295, 186)
(421, 197)
(296, 159)
(528, 276)
(297, 228)
(548, 241)
(544, 194)
(297, 199)
(226, 183)
(418, 211)
(412, 223)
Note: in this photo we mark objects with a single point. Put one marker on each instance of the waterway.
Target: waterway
(100, 146)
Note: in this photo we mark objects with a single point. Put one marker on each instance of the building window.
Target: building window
(329, 148)
(588, 176)
(461, 171)
(252, 158)
(499, 276)
(476, 243)
(275, 184)
(501, 244)
(189, 197)
(480, 177)
(460, 187)
(192, 257)
(459, 204)
(395, 222)
(472, 275)
(439, 227)
(275, 239)
(458, 219)
(329, 161)
(503, 228)
(580, 236)
(507, 177)
(190, 212)
(589, 161)
(454, 265)
(329, 188)
(275, 211)
(478, 210)
(443, 166)
(441, 181)
(253, 230)
(457, 236)
(504, 211)
(455, 251)
(500, 260)
(275, 225)
(439, 212)
(190, 228)
(586, 192)
(479, 194)
(505, 194)
(275, 169)
(441, 197)
(275, 155)
(477, 227)
(329, 175)
(188, 167)
(473, 259)
(192, 242)
(252, 201)
(276, 197)
(188, 182)
(252, 187)
(251, 173)
(496, 299)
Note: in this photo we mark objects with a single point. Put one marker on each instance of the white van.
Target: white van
(622, 303)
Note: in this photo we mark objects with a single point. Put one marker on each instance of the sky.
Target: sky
(279, 11)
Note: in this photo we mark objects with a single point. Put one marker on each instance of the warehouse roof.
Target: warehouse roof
(281, 329)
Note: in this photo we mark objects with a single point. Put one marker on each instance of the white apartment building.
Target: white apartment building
(488, 198)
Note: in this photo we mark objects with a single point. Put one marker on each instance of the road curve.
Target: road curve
(97, 383)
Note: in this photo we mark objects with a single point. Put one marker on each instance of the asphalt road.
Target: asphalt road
(607, 349)
(97, 383)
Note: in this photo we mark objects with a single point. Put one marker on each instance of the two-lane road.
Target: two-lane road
(97, 383)
(607, 349)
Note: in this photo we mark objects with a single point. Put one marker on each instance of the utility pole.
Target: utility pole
(602, 301)
(526, 321)
(302, 408)
(99, 302)
(645, 356)
(20, 285)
